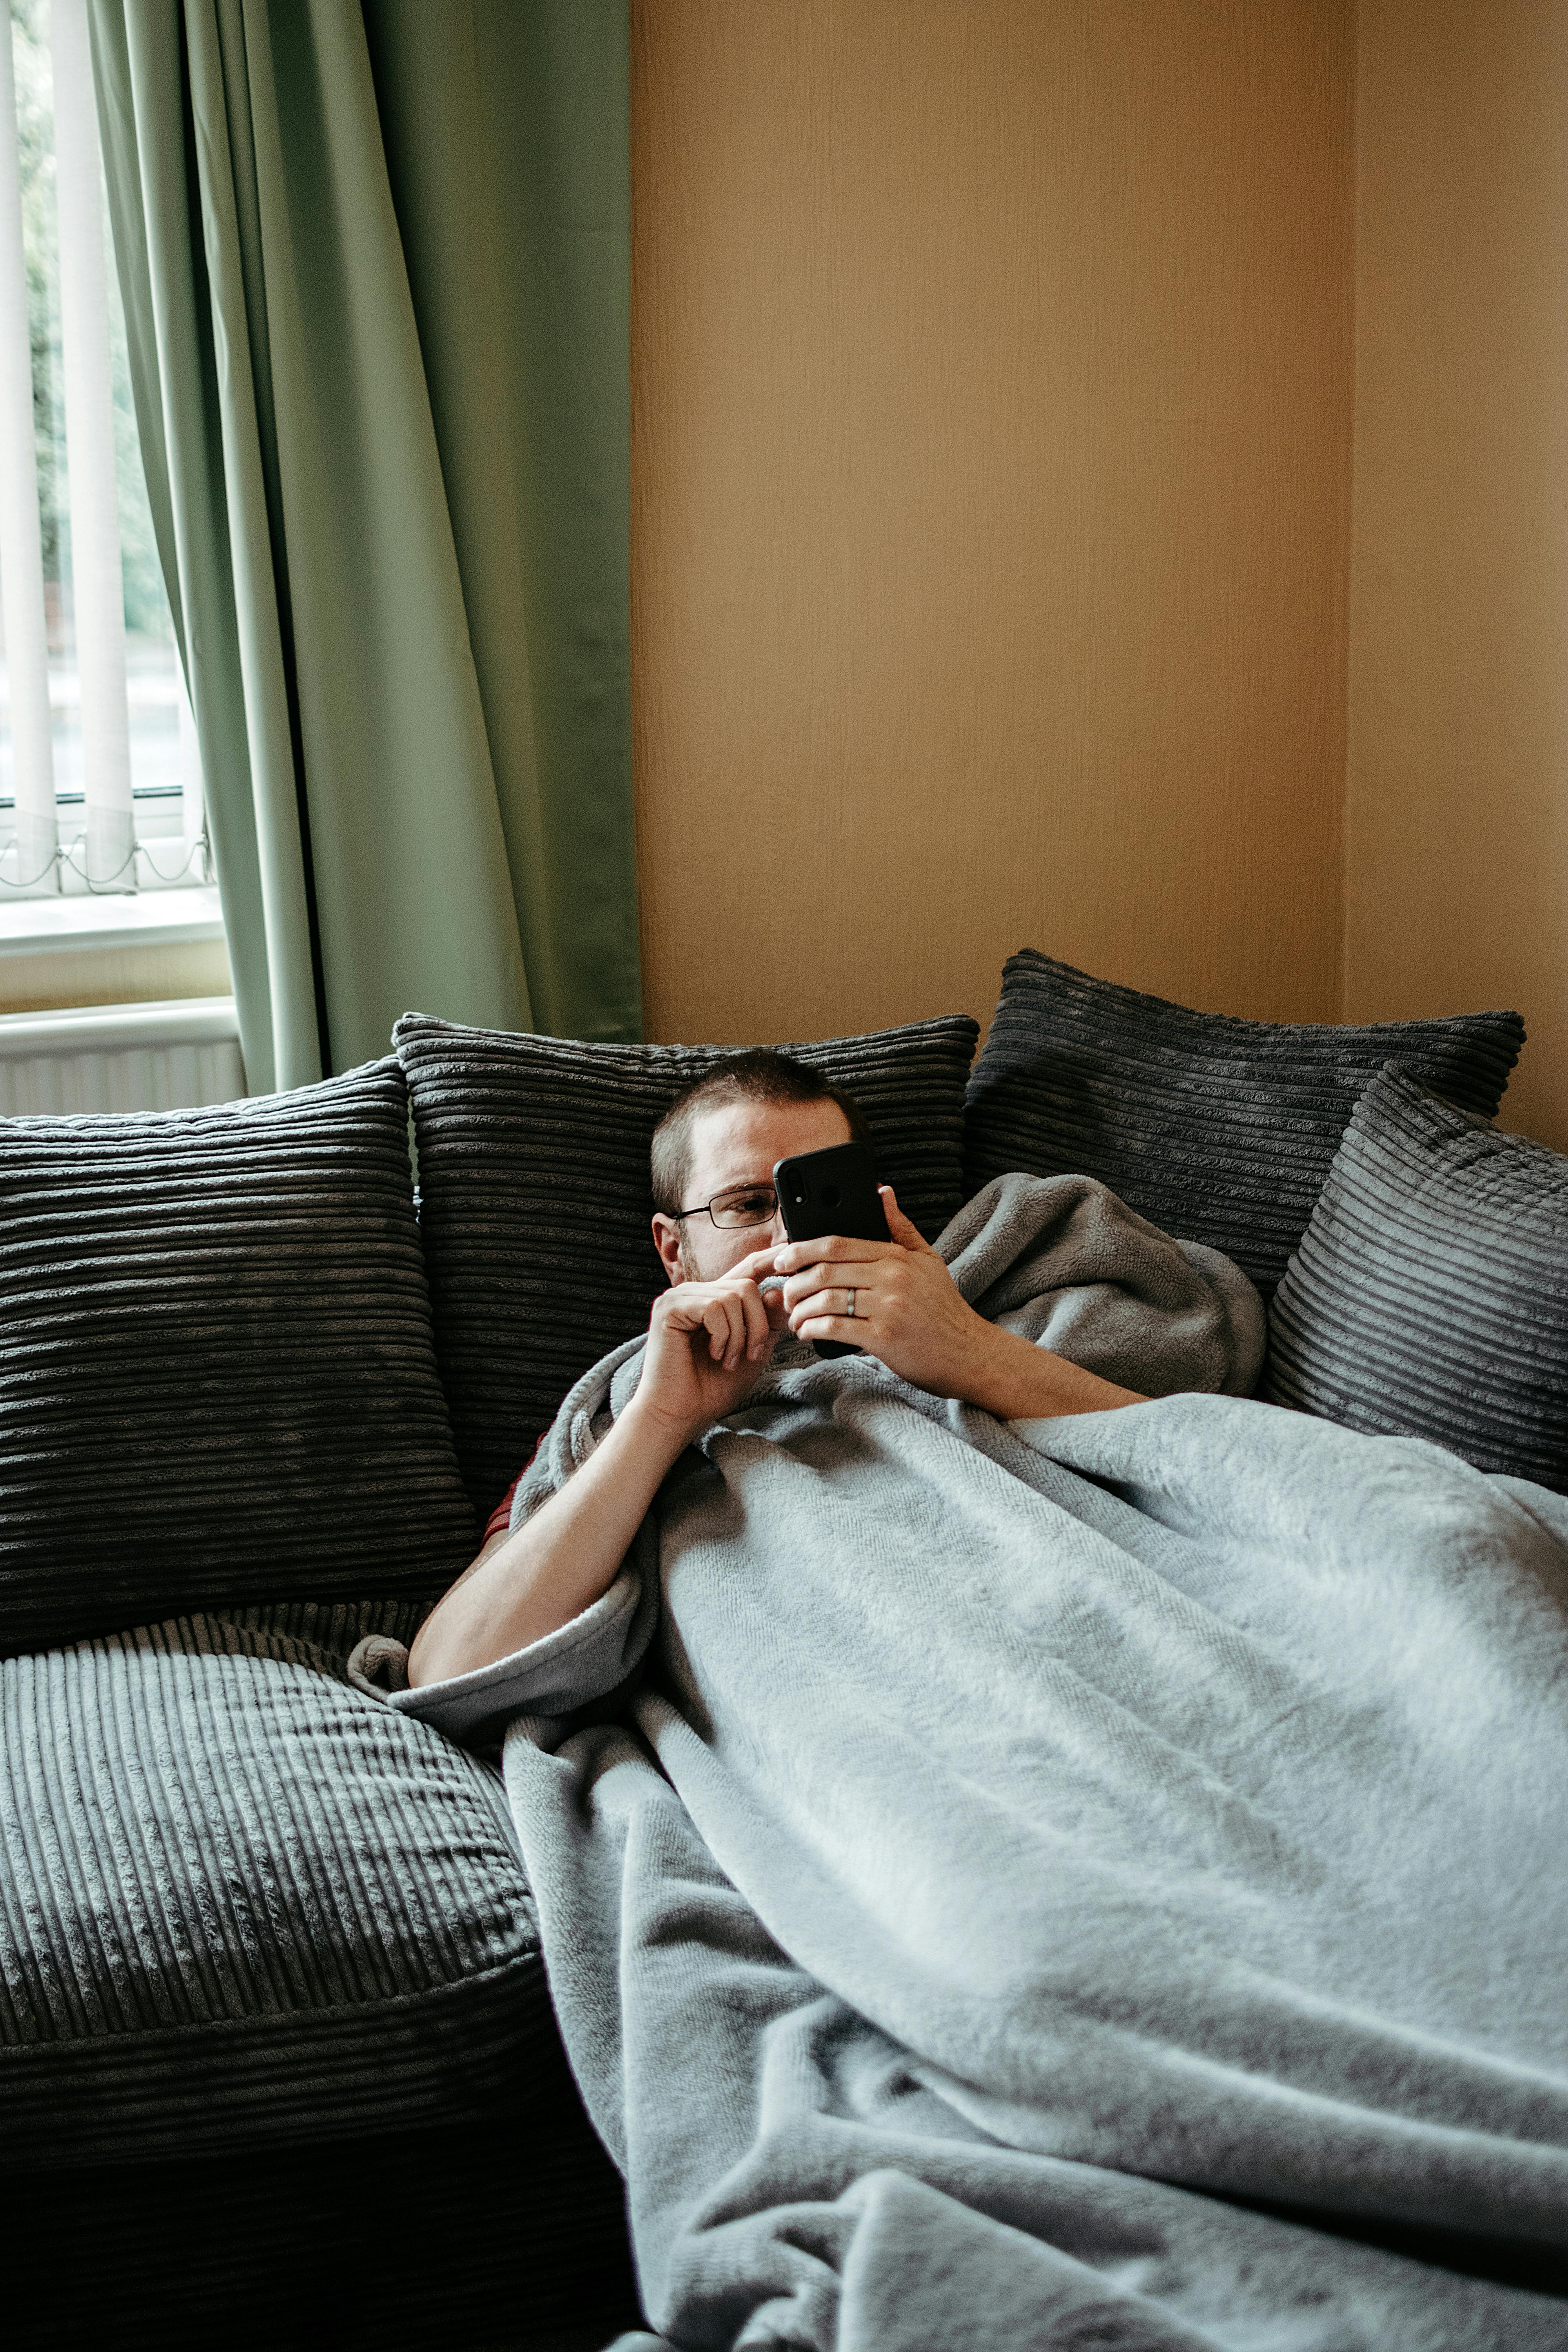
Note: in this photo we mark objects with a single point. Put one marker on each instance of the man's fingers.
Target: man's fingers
(732, 1318)
(757, 1267)
(688, 1302)
(725, 1326)
(831, 1274)
(741, 1307)
(826, 1306)
(754, 1308)
(840, 1273)
(833, 1327)
(793, 1257)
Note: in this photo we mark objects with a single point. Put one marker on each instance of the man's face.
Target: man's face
(734, 1145)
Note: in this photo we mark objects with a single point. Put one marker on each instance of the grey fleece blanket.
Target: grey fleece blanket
(1087, 1882)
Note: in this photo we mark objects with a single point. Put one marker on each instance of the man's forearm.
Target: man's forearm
(556, 1565)
(1017, 1381)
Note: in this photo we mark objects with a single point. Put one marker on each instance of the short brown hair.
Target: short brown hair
(758, 1075)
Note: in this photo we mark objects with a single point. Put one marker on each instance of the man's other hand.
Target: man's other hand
(706, 1343)
(910, 1313)
(907, 1308)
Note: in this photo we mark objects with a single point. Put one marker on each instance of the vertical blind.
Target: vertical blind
(100, 786)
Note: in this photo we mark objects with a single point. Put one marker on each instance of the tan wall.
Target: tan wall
(1458, 792)
(990, 463)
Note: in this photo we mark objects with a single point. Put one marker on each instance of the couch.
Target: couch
(272, 1999)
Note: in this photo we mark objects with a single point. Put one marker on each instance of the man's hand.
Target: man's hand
(909, 1312)
(908, 1308)
(706, 1343)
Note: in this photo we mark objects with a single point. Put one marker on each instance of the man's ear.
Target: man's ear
(666, 1242)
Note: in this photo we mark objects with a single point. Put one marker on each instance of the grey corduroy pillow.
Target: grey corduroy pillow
(218, 1371)
(1429, 1296)
(1215, 1129)
(534, 1196)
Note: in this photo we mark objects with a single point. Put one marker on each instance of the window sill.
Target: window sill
(114, 1028)
(33, 927)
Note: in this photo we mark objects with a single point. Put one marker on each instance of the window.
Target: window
(100, 784)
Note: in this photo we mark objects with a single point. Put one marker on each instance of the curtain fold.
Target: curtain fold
(390, 830)
(507, 145)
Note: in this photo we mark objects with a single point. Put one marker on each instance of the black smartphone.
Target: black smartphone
(831, 1191)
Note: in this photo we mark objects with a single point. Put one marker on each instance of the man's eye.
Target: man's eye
(758, 1205)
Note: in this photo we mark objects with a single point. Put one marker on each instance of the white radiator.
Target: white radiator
(163, 1056)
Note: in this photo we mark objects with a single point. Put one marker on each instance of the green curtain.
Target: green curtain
(374, 260)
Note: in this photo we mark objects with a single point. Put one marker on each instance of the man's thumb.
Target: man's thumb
(907, 1236)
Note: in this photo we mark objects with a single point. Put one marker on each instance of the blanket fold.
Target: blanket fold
(1023, 1850)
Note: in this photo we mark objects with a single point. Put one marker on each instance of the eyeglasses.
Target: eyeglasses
(752, 1205)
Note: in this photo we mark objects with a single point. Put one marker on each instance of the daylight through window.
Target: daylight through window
(100, 786)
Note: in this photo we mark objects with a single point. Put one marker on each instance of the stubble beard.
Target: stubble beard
(690, 1269)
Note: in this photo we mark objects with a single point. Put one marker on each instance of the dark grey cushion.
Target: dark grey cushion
(217, 1373)
(535, 1203)
(1215, 1129)
(1429, 1296)
(245, 1904)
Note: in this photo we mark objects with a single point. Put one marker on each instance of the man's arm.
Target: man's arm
(526, 1584)
(909, 1312)
(1020, 1381)
(707, 1342)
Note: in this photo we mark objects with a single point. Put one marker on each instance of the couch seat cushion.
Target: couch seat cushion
(1429, 1296)
(1215, 1129)
(243, 1903)
(217, 1373)
(481, 2237)
(533, 1175)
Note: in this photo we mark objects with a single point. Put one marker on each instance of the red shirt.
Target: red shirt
(501, 1517)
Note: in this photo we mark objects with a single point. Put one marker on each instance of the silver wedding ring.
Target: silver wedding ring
(852, 1306)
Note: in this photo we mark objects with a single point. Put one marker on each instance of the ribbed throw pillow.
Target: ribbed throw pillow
(1429, 1296)
(534, 1198)
(217, 1373)
(1215, 1129)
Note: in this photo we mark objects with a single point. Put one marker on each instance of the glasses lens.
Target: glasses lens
(755, 1207)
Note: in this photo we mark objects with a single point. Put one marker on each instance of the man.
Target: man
(722, 1238)
(1054, 1859)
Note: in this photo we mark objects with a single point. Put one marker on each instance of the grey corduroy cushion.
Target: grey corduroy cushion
(534, 1198)
(244, 1904)
(217, 1370)
(1215, 1129)
(1429, 1296)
